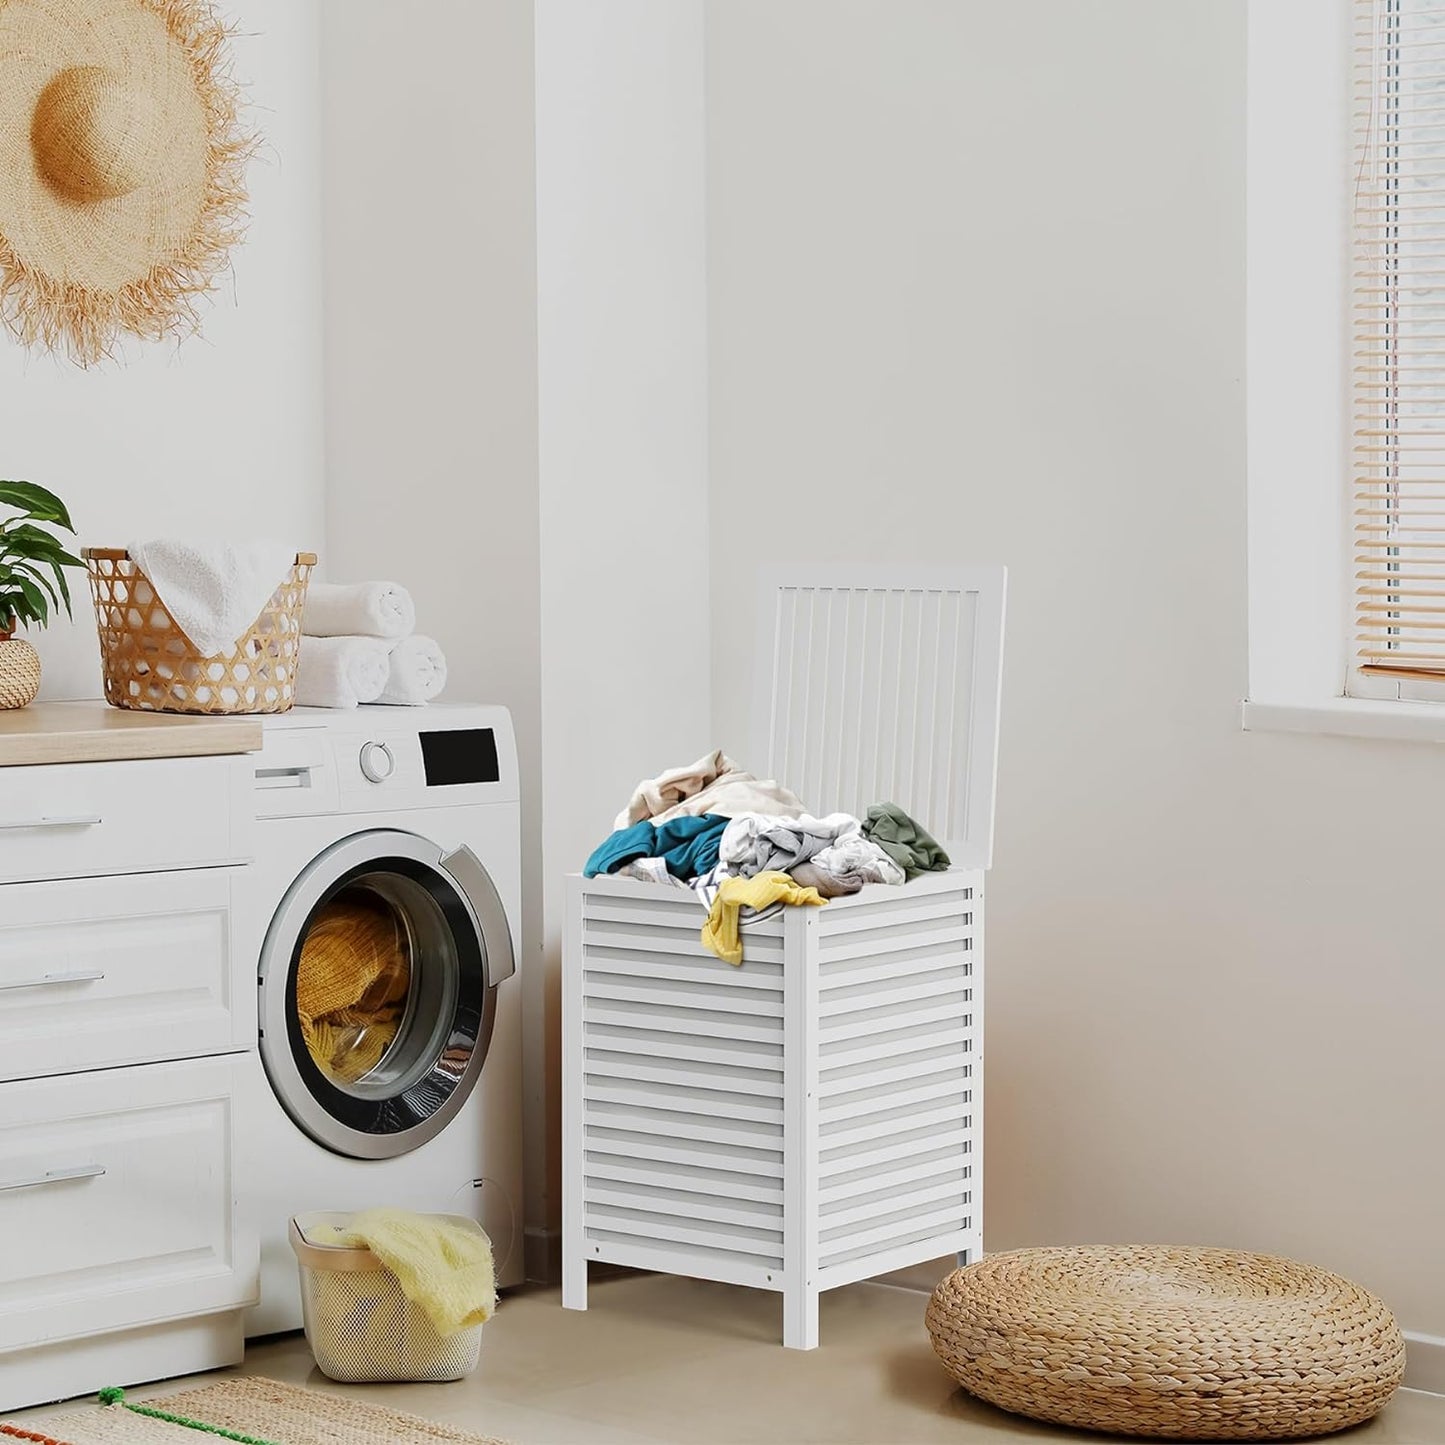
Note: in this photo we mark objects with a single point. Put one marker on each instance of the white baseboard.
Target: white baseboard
(544, 1255)
(1424, 1362)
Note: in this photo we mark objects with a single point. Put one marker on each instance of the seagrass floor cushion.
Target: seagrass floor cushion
(1193, 1344)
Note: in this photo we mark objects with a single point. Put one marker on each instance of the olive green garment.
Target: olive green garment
(907, 843)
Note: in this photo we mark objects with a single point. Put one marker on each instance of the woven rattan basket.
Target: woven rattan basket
(150, 665)
(1185, 1344)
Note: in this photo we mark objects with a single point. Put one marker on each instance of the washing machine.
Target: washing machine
(386, 894)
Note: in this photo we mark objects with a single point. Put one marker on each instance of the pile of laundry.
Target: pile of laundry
(748, 846)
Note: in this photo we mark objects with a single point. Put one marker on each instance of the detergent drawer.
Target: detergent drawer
(117, 1201)
(106, 971)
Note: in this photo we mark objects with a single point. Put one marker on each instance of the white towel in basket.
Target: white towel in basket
(215, 591)
(358, 609)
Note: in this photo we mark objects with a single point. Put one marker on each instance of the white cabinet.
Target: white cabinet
(107, 971)
(73, 820)
(116, 1199)
(127, 999)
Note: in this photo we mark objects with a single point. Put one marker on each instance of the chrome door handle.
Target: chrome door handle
(56, 1176)
(80, 975)
(79, 820)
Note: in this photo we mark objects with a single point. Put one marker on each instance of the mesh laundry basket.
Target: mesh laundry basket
(360, 1326)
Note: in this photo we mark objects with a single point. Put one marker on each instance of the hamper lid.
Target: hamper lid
(883, 685)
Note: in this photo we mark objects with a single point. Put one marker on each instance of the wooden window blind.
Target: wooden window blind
(1398, 313)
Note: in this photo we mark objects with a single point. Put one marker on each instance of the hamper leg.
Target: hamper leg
(800, 1319)
(574, 1275)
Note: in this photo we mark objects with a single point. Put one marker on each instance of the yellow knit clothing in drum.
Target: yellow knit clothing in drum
(352, 982)
(720, 932)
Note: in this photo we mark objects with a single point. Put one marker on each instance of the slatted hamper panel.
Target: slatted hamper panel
(677, 1070)
(897, 1078)
(794, 1124)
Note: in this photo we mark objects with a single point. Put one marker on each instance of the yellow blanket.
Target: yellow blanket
(443, 1268)
(720, 932)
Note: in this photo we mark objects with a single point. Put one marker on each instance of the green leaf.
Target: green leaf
(64, 590)
(27, 540)
(37, 502)
(39, 612)
(18, 606)
(29, 569)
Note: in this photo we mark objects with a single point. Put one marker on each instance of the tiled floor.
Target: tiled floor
(674, 1360)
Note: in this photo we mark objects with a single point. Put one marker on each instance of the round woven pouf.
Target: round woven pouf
(1189, 1344)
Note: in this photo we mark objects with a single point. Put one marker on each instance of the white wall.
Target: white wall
(431, 361)
(224, 434)
(622, 336)
(976, 291)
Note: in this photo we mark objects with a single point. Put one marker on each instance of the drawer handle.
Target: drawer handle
(56, 1176)
(79, 820)
(50, 979)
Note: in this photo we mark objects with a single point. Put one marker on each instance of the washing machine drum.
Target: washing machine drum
(378, 984)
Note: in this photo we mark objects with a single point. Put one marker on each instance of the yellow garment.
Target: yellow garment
(443, 1268)
(352, 982)
(720, 932)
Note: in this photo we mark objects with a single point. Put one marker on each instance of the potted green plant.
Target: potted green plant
(32, 581)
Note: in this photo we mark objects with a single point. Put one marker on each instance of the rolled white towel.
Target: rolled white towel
(357, 609)
(418, 673)
(341, 671)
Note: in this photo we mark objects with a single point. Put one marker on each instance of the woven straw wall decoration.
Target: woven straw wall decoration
(122, 169)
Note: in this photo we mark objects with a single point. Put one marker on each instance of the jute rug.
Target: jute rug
(259, 1411)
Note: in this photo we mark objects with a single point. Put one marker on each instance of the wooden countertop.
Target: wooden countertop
(95, 732)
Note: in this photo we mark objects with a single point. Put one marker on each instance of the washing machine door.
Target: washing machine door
(377, 991)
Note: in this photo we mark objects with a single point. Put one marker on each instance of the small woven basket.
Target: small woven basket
(361, 1328)
(19, 672)
(150, 665)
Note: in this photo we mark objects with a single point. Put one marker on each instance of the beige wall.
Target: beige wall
(622, 402)
(976, 290)
(431, 363)
(223, 435)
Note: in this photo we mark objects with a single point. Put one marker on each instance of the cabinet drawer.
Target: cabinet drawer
(73, 820)
(107, 971)
(117, 1201)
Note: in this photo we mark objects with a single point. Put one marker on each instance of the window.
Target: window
(1398, 349)
(1345, 367)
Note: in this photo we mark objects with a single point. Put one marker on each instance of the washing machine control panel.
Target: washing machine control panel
(384, 759)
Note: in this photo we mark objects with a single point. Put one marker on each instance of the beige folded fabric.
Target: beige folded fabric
(713, 784)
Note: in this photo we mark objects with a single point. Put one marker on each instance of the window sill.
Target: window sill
(1350, 717)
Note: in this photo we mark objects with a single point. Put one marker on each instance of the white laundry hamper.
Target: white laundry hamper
(361, 1327)
(812, 1117)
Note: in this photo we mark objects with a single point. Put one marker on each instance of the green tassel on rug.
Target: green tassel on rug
(113, 1395)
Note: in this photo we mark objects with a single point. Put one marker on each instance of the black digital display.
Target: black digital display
(460, 755)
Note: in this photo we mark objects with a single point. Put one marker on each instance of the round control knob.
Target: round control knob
(377, 763)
